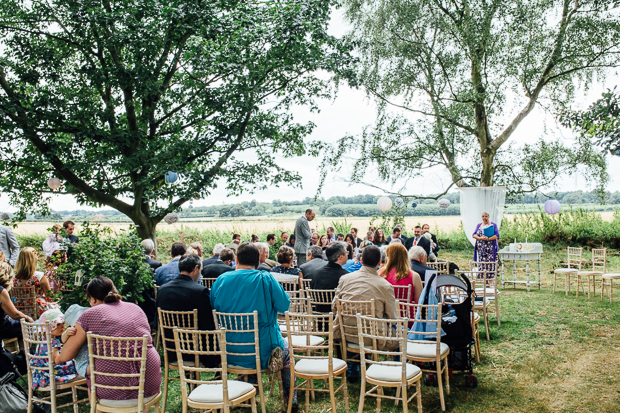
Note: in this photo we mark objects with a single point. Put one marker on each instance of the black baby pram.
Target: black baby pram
(455, 293)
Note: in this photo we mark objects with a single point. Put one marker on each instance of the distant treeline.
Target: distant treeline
(340, 206)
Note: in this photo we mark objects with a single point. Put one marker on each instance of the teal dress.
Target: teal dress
(244, 291)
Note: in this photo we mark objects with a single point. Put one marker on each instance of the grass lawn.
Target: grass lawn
(552, 353)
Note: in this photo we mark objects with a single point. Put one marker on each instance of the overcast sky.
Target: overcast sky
(348, 113)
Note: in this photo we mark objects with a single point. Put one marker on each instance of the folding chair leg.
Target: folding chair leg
(419, 397)
(497, 311)
(166, 378)
(380, 393)
(404, 399)
(440, 386)
(332, 396)
(253, 402)
(261, 391)
(290, 397)
(447, 373)
(308, 381)
(486, 324)
(360, 408)
(346, 392)
(74, 396)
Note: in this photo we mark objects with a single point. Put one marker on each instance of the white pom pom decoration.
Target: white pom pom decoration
(399, 202)
(443, 203)
(5, 217)
(171, 218)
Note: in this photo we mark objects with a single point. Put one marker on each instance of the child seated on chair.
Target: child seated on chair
(63, 372)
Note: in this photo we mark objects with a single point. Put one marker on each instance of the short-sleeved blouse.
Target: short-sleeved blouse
(122, 319)
(281, 273)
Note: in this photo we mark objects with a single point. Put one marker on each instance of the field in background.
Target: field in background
(264, 224)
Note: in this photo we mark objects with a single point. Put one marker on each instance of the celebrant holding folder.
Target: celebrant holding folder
(486, 236)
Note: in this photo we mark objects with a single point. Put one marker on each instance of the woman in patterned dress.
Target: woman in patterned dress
(486, 246)
(26, 275)
(109, 316)
(9, 315)
(285, 271)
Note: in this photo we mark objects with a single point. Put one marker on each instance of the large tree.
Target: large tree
(110, 95)
(454, 79)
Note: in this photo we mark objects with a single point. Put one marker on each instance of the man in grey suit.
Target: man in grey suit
(302, 236)
(9, 245)
(315, 261)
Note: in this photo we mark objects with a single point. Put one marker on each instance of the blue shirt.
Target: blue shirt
(352, 268)
(244, 291)
(167, 272)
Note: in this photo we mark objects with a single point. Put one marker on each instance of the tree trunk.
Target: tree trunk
(488, 169)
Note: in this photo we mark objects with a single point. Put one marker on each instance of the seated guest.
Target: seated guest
(222, 265)
(255, 238)
(358, 241)
(69, 227)
(185, 293)
(328, 276)
(236, 240)
(314, 261)
(168, 272)
(323, 242)
(149, 247)
(330, 235)
(379, 238)
(285, 271)
(109, 316)
(195, 248)
(26, 275)
(9, 315)
(369, 239)
(340, 237)
(350, 256)
(350, 239)
(244, 291)
(417, 255)
(363, 285)
(427, 229)
(397, 270)
(216, 255)
(284, 239)
(263, 248)
(396, 234)
(314, 239)
(273, 250)
(357, 264)
(291, 241)
(418, 240)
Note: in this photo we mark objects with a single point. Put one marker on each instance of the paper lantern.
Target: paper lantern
(443, 203)
(399, 202)
(384, 203)
(171, 177)
(53, 183)
(414, 204)
(171, 218)
(552, 207)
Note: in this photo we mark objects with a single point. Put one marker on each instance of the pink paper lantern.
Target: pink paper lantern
(552, 207)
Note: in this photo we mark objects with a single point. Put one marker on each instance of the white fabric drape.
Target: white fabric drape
(475, 201)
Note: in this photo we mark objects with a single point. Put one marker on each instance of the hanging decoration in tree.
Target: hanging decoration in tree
(552, 206)
(171, 218)
(443, 203)
(4, 216)
(399, 202)
(384, 203)
(78, 278)
(414, 204)
(171, 177)
(53, 183)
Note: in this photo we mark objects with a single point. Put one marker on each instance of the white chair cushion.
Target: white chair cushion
(301, 341)
(356, 346)
(611, 276)
(426, 350)
(489, 291)
(590, 273)
(124, 403)
(566, 271)
(214, 393)
(318, 366)
(391, 371)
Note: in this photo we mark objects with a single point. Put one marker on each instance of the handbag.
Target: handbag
(276, 359)
(13, 398)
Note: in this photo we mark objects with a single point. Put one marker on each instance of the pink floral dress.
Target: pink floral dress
(64, 372)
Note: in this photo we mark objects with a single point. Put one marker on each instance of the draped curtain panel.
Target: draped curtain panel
(475, 201)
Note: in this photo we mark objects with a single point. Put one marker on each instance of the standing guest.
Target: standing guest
(291, 241)
(486, 236)
(340, 237)
(315, 261)
(26, 275)
(185, 293)
(9, 245)
(314, 240)
(263, 249)
(285, 271)
(418, 241)
(196, 248)
(247, 290)
(170, 271)
(9, 315)
(397, 270)
(370, 235)
(427, 229)
(149, 247)
(216, 255)
(236, 240)
(330, 235)
(109, 316)
(303, 235)
(222, 265)
(418, 257)
(379, 238)
(324, 242)
(358, 241)
(69, 227)
(363, 285)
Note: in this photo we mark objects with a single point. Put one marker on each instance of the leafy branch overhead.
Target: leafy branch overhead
(109, 96)
(446, 73)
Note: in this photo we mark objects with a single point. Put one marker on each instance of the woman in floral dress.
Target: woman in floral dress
(486, 245)
(26, 275)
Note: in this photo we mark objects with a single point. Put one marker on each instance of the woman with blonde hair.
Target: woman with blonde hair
(26, 275)
(9, 315)
(397, 270)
